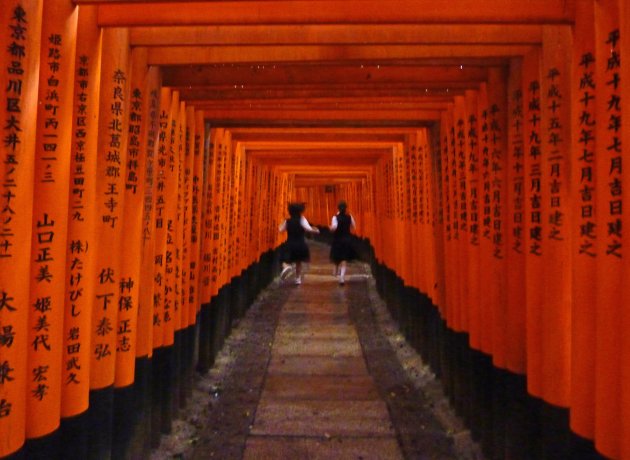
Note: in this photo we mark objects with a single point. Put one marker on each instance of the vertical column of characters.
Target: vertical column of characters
(19, 68)
(254, 209)
(388, 171)
(428, 197)
(534, 263)
(422, 171)
(270, 237)
(402, 248)
(497, 132)
(196, 202)
(206, 281)
(148, 164)
(436, 188)
(485, 230)
(399, 236)
(240, 260)
(410, 208)
(221, 209)
(416, 233)
(161, 190)
(50, 218)
(584, 227)
(403, 215)
(188, 165)
(111, 164)
(455, 305)
(423, 174)
(231, 211)
(556, 138)
(609, 218)
(245, 257)
(129, 281)
(80, 265)
(379, 209)
(182, 315)
(177, 227)
(514, 225)
(216, 211)
(461, 146)
(226, 210)
(624, 324)
(471, 177)
(445, 127)
(170, 215)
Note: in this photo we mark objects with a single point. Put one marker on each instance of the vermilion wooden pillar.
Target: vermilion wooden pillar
(111, 167)
(609, 219)
(515, 229)
(21, 24)
(584, 228)
(50, 218)
(624, 29)
(473, 210)
(80, 263)
(556, 144)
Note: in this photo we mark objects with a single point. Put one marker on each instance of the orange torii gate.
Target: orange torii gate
(148, 160)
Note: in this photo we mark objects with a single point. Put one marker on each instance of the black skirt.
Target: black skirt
(342, 249)
(296, 251)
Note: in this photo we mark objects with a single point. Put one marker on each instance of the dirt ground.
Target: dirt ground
(221, 413)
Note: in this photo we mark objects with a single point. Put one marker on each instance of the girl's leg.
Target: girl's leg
(342, 272)
(298, 273)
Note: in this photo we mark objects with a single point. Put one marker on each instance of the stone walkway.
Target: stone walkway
(318, 371)
(318, 400)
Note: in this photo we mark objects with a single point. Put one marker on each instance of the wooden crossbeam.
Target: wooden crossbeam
(276, 115)
(185, 55)
(151, 13)
(257, 76)
(437, 90)
(335, 34)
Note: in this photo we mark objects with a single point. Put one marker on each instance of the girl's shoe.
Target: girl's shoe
(286, 272)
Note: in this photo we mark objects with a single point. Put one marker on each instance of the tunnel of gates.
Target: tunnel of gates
(134, 232)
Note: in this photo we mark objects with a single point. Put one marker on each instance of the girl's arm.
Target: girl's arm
(306, 226)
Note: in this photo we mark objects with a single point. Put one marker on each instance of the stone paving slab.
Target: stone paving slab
(268, 447)
(320, 308)
(291, 331)
(318, 347)
(317, 365)
(315, 318)
(322, 418)
(320, 387)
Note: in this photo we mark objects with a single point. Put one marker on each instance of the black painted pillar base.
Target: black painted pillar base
(205, 362)
(100, 420)
(75, 436)
(494, 403)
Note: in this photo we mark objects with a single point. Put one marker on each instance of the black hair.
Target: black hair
(295, 209)
(342, 207)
